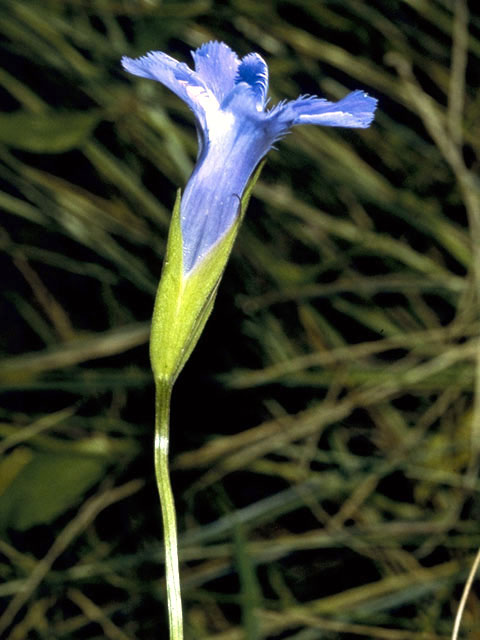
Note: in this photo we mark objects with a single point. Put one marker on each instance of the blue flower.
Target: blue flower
(235, 131)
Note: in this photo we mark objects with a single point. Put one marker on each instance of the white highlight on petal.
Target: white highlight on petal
(203, 98)
(324, 116)
(220, 124)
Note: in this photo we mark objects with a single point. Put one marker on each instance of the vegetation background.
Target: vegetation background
(326, 432)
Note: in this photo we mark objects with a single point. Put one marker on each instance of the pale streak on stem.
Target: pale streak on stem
(172, 574)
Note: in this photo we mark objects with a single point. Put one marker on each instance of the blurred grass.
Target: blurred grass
(327, 431)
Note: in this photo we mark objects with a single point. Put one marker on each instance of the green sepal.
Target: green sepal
(184, 302)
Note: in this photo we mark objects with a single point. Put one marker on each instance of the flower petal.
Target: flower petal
(228, 97)
(178, 77)
(355, 110)
(216, 64)
(210, 202)
(254, 71)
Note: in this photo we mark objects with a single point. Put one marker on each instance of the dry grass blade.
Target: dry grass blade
(86, 515)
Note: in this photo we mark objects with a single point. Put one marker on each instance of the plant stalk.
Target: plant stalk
(172, 574)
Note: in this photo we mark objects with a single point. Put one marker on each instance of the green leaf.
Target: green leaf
(45, 486)
(52, 132)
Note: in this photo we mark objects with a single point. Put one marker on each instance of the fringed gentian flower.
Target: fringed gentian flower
(235, 130)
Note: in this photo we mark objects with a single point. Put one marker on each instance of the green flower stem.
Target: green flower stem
(182, 306)
(172, 574)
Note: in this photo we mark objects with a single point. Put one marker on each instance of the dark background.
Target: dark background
(325, 432)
